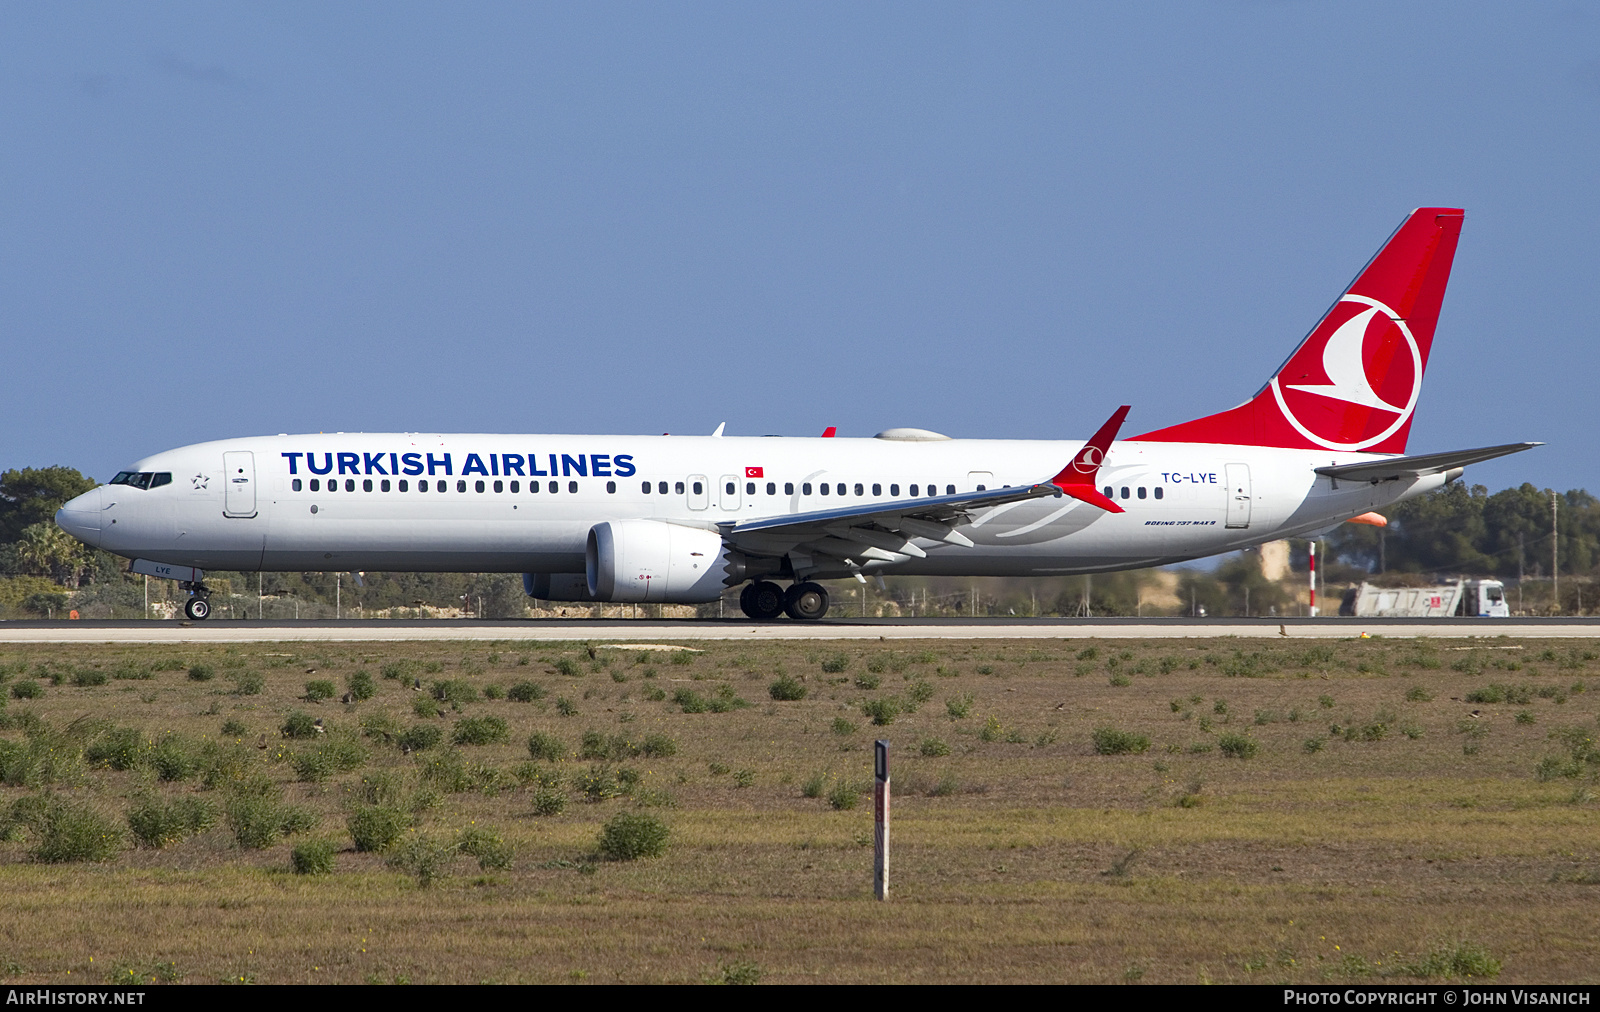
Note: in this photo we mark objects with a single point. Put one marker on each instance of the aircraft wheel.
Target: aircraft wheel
(197, 608)
(762, 601)
(806, 602)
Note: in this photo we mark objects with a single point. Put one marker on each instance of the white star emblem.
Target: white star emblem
(200, 481)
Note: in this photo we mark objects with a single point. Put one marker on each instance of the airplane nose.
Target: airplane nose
(80, 517)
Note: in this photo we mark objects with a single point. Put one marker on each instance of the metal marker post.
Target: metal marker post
(1312, 610)
(880, 815)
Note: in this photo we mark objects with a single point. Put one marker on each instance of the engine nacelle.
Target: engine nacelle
(655, 562)
(557, 586)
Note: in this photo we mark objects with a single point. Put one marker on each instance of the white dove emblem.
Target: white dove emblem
(1342, 361)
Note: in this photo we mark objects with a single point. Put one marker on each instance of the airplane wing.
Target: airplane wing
(1419, 465)
(884, 531)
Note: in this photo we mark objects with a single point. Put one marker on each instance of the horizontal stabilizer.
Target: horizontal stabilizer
(1420, 465)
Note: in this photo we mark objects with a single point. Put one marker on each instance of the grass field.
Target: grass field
(1071, 810)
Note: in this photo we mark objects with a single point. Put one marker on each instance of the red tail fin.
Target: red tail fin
(1354, 381)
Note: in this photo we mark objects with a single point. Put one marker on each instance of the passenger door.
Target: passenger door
(728, 491)
(1239, 497)
(239, 482)
(699, 494)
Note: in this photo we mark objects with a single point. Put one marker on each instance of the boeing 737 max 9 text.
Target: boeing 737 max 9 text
(681, 519)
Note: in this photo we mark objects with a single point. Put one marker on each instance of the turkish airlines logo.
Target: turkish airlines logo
(1089, 460)
(1359, 384)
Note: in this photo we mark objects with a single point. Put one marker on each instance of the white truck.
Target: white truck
(1467, 598)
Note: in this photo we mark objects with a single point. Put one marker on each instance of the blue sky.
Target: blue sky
(990, 220)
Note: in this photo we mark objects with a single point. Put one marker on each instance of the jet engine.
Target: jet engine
(655, 562)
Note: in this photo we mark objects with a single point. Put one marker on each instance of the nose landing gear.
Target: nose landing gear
(198, 607)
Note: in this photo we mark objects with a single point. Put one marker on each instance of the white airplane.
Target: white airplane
(679, 519)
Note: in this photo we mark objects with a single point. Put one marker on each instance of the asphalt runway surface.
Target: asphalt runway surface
(678, 630)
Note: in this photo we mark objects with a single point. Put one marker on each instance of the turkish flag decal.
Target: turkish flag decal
(753, 472)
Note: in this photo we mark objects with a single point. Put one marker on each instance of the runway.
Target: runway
(647, 630)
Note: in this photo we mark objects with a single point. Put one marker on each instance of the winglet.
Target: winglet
(830, 432)
(1077, 478)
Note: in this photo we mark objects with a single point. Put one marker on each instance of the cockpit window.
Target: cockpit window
(143, 479)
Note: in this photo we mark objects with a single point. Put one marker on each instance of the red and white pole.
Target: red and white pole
(880, 815)
(1312, 611)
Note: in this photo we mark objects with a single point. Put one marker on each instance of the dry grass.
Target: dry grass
(1020, 856)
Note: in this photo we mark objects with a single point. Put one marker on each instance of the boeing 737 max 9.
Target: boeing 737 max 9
(681, 519)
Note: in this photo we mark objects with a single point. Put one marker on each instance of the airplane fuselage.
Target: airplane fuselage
(526, 504)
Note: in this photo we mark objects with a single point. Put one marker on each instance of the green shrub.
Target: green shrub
(488, 847)
(934, 747)
(361, 686)
(258, 819)
(525, 692)
(882, 711)
(249, 683)
(546, 747)
(420, 736)
(992, 730)
(1458, 960)
(480, 731)
(567, 666)
(1417, 694)
(843, 728)
(813, 785)
(844, 796)
(959, 707)
(399, 670)
(299, 725)
(787, 688)
(493, 692)
(424, 706)
(1120, 680)
(566, 707)
(129, 671)
(422, 857)
(1110, 741)
(1238, 746)
(67, 832)
(172, 760)
(868, 681)
(26, 689)
(157, 823)
(375, 828)
(549, 801)
(660, 745)
(835, 664)
(319, 690)
(121, 748)
(457, 692)
(920, 692)
(234, 728)
(201, 673)
(85, 677)
(313, 857)
(628, 836)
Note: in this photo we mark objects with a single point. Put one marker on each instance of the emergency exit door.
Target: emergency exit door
(1239, 496)
(239, 482)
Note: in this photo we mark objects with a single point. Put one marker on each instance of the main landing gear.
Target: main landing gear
(198, 607)
(765, 601)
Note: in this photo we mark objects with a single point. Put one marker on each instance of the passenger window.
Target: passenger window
(349, 484)
(572, 486)
(772, 488)
(422, 486)
(384, 485)
(366, 484)
(1158, 491)
(894, 489)
(1141, 491)
(662, 488)
(405, 486)
(644, 486)
(805, 488)
(611, 487)
(295, 484)
(516, 486)
(555, 486)
(499, 486)
(698, 490)
(913, 491)
(440, 486)
(461, 486)
(533, 488)
(840, 488)
(1110, 492)
(983, 488)
(1124, 491)
(729, 488)
(788, 488)
(749, 488)
(478, 485)
(949, 490)
(823, 488)
(860, 490)
(680, 488)
(877, 489)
